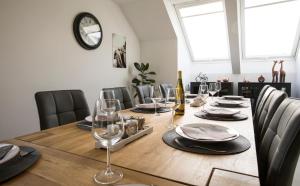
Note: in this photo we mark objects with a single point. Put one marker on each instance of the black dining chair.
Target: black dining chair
(261, 94)
(267, 112)
(260, 107)
(60, 107)
(144, 93)
(279, 150)
(164, 88)
(122, 94)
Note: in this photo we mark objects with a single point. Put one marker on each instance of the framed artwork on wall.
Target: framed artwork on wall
(119, 51)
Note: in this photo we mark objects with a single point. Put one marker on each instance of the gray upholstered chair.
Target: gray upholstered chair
(122, 94)
(164, 88)
(268, 110)
(279, 150)
(144, 93)
(261, 94)
(260, 107)
(61, 107)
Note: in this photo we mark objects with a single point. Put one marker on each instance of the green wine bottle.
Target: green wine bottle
(180, 98)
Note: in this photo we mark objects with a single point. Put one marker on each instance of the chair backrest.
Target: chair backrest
(279, 150)
(164, 88)
(144, 93)
(261, 104)
(61, 107)
(261, 94)
(272, 103)
(122, 94)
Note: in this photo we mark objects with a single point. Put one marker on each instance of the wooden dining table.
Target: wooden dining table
(69, 156)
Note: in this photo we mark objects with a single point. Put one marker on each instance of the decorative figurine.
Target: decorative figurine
(281, 72)
(274, 73)
(261, 79)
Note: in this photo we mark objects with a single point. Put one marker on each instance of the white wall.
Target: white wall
(38, 52)
(162, 56)
(298, 73)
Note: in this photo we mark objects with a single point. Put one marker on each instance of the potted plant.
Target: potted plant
(144, 75)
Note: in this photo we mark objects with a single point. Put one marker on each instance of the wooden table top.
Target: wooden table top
(150, 155)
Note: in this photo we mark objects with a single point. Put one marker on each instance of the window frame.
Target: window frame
(195, 3)
(259, 58)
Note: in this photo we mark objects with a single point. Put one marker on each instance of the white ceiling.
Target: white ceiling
(149, 19)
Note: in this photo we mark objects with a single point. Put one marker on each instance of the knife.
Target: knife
(4, 150)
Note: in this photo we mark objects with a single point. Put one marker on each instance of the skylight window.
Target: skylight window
(204, 27)
(271, 28)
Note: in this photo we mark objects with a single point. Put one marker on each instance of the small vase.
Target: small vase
(261, 79)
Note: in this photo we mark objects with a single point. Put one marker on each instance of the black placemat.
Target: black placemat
(150, 111)
(236, 117)
(235, 146)
(19, 164)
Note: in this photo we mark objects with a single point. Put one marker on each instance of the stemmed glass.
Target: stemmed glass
(107, 94)
(107, 129)
(156, 97)
(203, 93)
(218, 87)
(212, 89)
(173, 102)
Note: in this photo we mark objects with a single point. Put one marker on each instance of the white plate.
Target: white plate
(11, 154)
(228, 103)
(148, 106)
(209, 127)
(232, 97)
(221, 112)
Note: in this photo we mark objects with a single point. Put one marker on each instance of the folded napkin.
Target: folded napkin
(4, 150)
(206, 133)
(221, 111)
(197, 102)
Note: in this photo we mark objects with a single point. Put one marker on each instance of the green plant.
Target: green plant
(143, 75)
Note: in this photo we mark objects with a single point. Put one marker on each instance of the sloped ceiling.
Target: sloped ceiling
(148, 18)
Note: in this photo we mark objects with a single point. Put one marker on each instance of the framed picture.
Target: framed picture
(119, 51)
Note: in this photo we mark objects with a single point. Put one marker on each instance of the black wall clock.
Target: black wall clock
(87, 31)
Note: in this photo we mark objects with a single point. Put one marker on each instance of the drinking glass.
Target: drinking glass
(156, 97)
(203, 93)
(107, 94)
(107, 129)
(173, 102)
(218, 87)
(212, 89)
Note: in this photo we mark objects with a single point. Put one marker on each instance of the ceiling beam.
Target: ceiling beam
(231, 7)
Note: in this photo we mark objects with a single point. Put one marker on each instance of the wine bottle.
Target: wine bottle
(180, 98)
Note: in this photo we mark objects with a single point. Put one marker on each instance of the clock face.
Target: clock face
(87, 31)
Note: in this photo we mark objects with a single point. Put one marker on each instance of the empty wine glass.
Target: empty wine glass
(172, 103)
(107, 129)
(156, 97)
(203, 93)
(212, 89)
(218, 87)
(107, 94)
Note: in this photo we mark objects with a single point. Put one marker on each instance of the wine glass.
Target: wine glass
(218, 87)
(156, 97)
(107, 129)
(172, 103)
(203, 93)
(107, 94)
(212, 89)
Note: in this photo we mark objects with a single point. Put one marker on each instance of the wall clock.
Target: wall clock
(87, 31)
